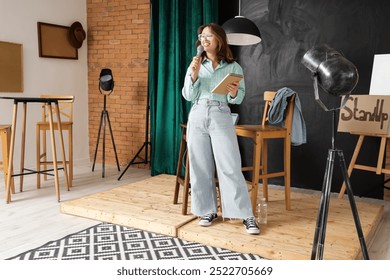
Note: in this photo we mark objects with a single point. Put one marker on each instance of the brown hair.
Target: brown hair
(223, 51)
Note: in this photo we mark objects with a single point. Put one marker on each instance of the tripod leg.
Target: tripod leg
(353, 205)
(113, 142)
(97, 142)
(104, 142)
(146, 143)
(132, 161)
(319, 235)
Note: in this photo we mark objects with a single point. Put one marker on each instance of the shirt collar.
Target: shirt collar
(208, 62)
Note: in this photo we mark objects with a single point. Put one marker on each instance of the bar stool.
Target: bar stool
(43, 126)
(5, 137)
(182, 179)
(261, 134)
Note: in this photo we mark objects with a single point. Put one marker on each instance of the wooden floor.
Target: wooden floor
(33, 218)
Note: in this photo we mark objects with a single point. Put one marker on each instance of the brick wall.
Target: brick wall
(118, 38)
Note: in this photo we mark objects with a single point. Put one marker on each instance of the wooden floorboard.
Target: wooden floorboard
(147, 204)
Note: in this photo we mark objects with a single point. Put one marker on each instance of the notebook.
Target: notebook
(229, 78)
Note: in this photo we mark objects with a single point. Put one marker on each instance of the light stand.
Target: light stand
(320, 230)
(145, 145)
(106, 84)
(345, 85)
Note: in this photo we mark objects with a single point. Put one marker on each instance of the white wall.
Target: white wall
(18, 24)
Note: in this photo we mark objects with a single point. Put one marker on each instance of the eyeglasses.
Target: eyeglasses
(201, 37)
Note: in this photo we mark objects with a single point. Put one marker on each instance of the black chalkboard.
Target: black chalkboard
(358, 29)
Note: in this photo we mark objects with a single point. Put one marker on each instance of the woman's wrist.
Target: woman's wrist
(232, 96)
(194, 78)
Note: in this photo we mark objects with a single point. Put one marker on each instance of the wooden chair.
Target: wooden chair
(261, 134)
(42, 127)
(182, 179)
(5, 138)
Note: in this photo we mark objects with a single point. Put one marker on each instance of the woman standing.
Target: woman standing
(211, 137)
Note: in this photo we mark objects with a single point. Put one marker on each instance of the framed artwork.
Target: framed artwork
(53, 41)
(11, 70)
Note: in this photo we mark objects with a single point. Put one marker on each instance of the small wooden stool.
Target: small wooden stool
(5, 137)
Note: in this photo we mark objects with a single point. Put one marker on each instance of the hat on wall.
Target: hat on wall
(76, 35)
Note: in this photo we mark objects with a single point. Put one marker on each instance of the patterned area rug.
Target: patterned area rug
(107, 241)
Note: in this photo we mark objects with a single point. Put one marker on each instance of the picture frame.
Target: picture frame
(53, 41)
(11, 70)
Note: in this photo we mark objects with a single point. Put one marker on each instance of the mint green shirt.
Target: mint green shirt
(208, 78)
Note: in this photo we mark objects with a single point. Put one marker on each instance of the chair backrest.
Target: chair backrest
(288, 116)
(65, 107)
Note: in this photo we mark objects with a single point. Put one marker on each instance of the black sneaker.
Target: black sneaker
(207, 220)
(251, 226)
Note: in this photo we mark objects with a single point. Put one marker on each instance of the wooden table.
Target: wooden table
(25, 101)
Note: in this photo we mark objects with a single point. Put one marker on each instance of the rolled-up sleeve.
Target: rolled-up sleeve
(190, 90)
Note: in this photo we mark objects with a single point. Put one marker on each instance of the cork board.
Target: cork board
(11, 70)
(53, 41)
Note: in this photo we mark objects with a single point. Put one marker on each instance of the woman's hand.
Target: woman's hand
(233, 89)
(195, 66)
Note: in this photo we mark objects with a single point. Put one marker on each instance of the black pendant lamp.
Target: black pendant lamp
(241, 31)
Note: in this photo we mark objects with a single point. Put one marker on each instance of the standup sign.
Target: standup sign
(366, 114)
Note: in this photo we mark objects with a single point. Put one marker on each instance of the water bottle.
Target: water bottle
(262, 211)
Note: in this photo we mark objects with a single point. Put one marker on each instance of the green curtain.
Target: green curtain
(174, 24)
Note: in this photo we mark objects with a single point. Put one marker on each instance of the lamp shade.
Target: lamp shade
(336, 75)
(241, 31)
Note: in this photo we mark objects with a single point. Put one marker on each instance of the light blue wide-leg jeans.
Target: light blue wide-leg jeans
(212, 142)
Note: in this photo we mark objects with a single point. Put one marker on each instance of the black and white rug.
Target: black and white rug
(113, 242)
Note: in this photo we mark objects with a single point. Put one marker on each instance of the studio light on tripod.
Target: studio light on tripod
(106, 86)
(337, 76)
(106, 81)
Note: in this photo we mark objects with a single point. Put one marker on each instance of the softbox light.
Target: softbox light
(106, 80)
(333, 72)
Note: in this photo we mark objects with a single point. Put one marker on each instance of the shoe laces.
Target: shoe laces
(250, 222)
(208, 217)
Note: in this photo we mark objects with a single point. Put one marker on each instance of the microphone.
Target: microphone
(199, 51)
